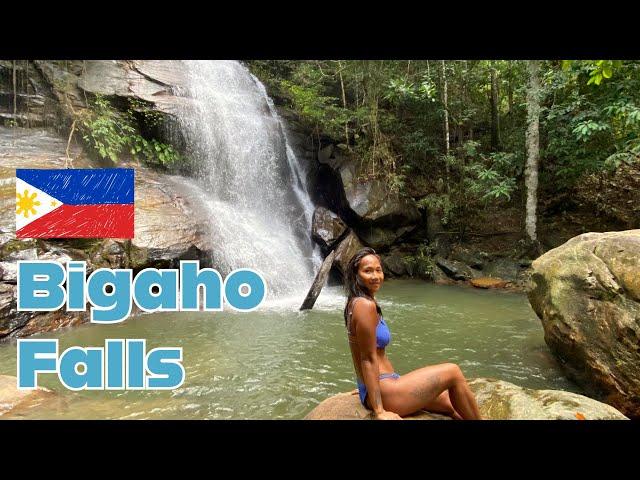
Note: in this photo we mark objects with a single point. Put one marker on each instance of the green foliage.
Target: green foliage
(110, 132)
(422, 263)
(390, 116)
(438, 202)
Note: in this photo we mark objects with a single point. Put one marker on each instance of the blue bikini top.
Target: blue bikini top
(383, 334)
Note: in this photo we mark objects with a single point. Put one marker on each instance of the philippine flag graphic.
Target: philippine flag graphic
(75, 203)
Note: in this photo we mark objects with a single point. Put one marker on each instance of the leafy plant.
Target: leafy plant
(422, 263)
(109, 132)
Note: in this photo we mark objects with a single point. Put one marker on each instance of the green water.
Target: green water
(280, 363)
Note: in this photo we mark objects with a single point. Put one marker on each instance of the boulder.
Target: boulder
(364, 201)
(380, 238)
(505, 268)
(12, 400)
(456, 270)
(500, 400)
(497, 400)
(327, 227)
(439, 277)
(347, 406)
(586, 292)
(468, 257)
(394, 264)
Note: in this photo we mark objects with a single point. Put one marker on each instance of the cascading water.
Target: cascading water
(250, 180)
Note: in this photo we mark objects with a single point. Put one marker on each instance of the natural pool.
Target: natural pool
(278, 362)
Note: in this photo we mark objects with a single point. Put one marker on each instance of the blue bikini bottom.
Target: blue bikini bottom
(362, 388)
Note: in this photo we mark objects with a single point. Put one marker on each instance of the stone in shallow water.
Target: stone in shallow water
(12, 400)
(488, 282)
(497, 399)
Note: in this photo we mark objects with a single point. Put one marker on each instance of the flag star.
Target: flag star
(53, 203)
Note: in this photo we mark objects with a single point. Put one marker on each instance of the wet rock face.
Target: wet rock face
(587, 295)
(363, 202)
(497, 400)
(169, 227)
(152, 81)
(327, 227)
(35, 104)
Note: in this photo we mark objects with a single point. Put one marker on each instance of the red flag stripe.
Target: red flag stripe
(82, 221)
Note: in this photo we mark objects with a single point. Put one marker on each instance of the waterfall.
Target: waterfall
(250, 180)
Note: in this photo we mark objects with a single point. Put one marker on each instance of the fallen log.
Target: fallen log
(319, 282)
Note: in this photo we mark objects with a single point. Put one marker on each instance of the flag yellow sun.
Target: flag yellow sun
(26, 203)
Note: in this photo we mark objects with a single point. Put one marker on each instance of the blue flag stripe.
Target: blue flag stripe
(83, 186)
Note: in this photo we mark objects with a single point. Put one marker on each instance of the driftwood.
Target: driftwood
(343, 250)
(319, 282)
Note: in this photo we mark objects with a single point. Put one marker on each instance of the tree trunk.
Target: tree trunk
(510, 88)
(319, 281)
(445, 103)
(495, 119)
(344, 105)
(26, 67)
(533, 148)
(15, 93)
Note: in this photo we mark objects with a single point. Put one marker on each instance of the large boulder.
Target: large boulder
(455, 269)
(327, 227)
(500, 400)
(497, 400)
(363, 201)
(395, 264)
(587, 295)
(505, 268)
(13, 401)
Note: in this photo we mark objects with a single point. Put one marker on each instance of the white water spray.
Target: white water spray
(250, 180)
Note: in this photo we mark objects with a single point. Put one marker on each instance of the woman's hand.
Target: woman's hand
(385, 415)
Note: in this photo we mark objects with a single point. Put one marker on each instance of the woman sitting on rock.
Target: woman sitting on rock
(437, 388)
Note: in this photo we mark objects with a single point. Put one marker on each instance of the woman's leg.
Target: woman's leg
(442, 404)
(419, 389)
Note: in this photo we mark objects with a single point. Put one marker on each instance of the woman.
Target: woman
(437, 388)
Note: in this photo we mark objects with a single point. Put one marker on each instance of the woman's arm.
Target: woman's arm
(365, 316)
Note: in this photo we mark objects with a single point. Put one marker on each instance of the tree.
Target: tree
(445, 103)
(495, 122)
(533, 148)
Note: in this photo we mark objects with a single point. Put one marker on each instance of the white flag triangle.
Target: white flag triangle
(32, 203)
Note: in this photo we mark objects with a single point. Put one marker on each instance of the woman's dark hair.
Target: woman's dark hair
(352, 283)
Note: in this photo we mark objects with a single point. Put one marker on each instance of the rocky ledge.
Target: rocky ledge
(497, 399)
